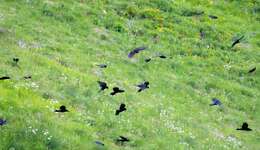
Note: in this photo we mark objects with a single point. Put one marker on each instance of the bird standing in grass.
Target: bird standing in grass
(244, 127)
(143, 86)
(237, 41)
(116, 90)
(121, 109)
(102, 85)
(62, 109)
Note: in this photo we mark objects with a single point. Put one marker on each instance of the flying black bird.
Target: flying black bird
(121, 109)
(102, 85)
(244, 127)
(122, 139)
(62, 109)
(215, 102)
(147, 60)
(252, 70)
(27, 77)
(102, 66)
(5, 78)
(16, 60)
(162, 56)
(116, 90)
(99, 143)
(237, 41)
(2, 122)
(143, 86)
(135, 51)
(213, 17)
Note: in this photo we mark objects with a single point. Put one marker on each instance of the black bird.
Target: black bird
(116, 90)
(213, 17)
(99, 143)
(2, 122)
(121, 109)
(244, 127)
(102, 66)
(102, 85)
(5, 78)
(202, 34)
(16, 60)
(252, 70)
(122, 139)
(143, 86)
(27, 77)
(62, 109)
(237, 41)
(162, 56)
(147, 60)
(135, 51)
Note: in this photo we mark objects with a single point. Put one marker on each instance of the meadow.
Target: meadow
(59, 44)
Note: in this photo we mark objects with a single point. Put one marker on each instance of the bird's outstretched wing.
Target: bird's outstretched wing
(135, 51)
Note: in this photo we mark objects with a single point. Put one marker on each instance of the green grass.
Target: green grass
(59, 43)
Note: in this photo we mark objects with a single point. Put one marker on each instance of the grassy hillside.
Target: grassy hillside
(60, 44)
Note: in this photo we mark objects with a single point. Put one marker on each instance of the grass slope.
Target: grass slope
(59, 43)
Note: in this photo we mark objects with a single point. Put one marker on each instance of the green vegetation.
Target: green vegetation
(59, 44)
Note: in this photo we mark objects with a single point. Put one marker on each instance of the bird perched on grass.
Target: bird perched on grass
(143, 86)
(213, 17)
(237, 41)
(135, 51)
(2, 122)
(121, 109)
(116, 90)
(102, 85)
(215, 102)
(122, 140)
(62, 109)
(244, 127)
(5, 78)
(252, 70)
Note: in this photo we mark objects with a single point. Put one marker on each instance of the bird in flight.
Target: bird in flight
(102, 65)
(252, 70)
(27, 77)
(244, 127)
(237, 41)
(143, 86)
(122, 139)
(148, 60)
(116, 90)
(213, 17)
(135, 51)
(215, 102)
(102, 85)
(2, 122)
(5, 78)
(99, 143)
(121, 109)
(162, 56)
(62, 109)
